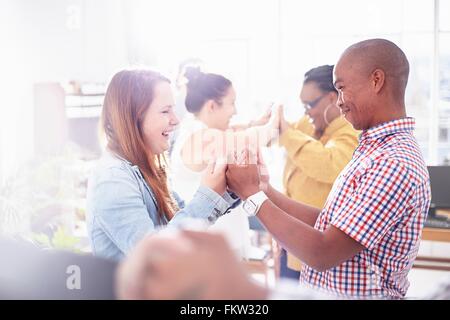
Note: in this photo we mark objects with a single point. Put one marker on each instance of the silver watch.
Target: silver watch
(253, 203)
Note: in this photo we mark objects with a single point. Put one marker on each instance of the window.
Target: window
(317, 32)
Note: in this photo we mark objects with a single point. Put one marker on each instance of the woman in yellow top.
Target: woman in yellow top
(318, 147)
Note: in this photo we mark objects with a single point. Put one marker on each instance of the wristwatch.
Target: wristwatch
(253, 203)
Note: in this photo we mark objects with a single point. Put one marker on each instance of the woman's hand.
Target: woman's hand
(264, 119)
(263, 172)
(214, 176)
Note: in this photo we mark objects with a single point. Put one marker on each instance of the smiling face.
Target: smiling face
(224, 110)
(316, 101)
(354, 94)
(160, 119)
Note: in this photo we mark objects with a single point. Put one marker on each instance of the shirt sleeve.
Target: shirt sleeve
(375, 205)
(179, 200)
(206, 204)
(120, 210)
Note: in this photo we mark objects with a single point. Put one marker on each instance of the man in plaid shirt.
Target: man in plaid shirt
(364, 241)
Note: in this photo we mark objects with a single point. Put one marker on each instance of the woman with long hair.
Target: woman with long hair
(128, 193)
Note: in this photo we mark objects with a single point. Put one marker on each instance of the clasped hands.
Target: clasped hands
(243, 172)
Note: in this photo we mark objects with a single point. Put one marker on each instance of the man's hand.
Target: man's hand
(185, 265)
(243, 177)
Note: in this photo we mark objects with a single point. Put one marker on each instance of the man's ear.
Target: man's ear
(378, 78)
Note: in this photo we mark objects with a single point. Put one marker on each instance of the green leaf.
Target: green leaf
(62, 240)
(42, 239)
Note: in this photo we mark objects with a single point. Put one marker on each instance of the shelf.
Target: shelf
(84, 112)
(84, 100)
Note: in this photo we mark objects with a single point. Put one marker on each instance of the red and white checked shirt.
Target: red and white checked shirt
(381, 200)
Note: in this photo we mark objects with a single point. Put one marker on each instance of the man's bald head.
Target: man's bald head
(369, 55)
(371, 78)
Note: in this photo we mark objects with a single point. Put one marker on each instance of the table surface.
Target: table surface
(436, 234)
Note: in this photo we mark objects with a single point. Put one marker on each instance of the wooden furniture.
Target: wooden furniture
(435, 234)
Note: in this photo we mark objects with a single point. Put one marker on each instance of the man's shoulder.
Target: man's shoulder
(401, 151)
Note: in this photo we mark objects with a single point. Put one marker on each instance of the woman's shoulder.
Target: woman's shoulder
(111, 167)
(113, 179)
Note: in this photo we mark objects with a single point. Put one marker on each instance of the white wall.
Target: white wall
(57, 41)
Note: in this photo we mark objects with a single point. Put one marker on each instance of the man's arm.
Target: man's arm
(295, 209)
(319, 250)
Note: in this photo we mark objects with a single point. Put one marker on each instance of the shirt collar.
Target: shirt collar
(387, 128)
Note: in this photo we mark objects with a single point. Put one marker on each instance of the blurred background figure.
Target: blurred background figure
(318, 147)
(181, 83)
(180, 92)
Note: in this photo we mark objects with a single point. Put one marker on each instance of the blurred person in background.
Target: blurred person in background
(180, 92)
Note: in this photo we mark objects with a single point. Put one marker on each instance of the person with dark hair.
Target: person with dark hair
(205, 135)
(180, 93)
(318, 147)
(128, 193)
(181, 81)
(364, 240)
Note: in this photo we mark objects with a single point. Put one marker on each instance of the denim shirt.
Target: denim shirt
(121, 207)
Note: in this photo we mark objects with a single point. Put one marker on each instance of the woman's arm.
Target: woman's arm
(264, 119)
(211, 199)
(295, 209)
(117, 205)
(207, 145)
